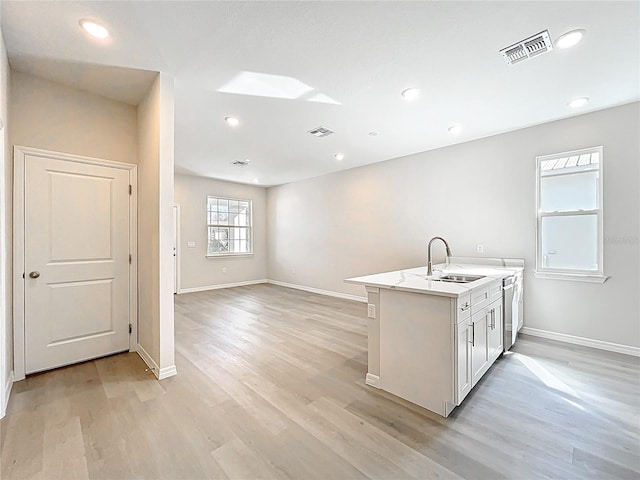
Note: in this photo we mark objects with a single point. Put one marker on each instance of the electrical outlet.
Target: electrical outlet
(371, 310)
(191, 244)
(480, 248)
(293, 270)
(224, 269)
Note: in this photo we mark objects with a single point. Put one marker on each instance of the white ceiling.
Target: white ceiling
(359, 54)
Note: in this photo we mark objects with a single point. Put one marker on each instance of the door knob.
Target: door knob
(34, 274)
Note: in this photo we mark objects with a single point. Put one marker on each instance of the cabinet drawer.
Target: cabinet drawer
(480, 298)
(463, 307)
(495, 291)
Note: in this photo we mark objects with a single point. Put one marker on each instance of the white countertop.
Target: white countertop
(416, 280)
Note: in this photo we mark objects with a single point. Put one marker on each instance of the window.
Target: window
(228, 226)
(569, 201)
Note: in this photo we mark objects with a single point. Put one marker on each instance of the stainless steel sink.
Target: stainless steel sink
(458, 278)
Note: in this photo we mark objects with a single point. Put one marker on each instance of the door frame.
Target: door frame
(19, 154)
(176, 239)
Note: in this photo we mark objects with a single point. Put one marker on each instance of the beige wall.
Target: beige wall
(51, 116)
(155, 223)
(6, 176)
(380, 217)
(196, 270)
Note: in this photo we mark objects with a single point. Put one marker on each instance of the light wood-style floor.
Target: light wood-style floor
(270, 384)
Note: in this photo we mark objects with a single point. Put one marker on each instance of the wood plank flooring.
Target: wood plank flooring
(270, 384)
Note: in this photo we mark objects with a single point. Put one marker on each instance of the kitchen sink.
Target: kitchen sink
(458, 278)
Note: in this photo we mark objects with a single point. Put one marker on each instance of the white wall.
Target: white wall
(196, 270)
(6, 174)
(155, 226)
(52, 116)
(379, 217)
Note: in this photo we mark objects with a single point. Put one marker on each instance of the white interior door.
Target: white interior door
(76, 254)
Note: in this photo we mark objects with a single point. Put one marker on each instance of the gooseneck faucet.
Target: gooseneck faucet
(446, 245)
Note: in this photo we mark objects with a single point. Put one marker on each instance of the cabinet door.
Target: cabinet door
(463, 360)
(479, 343)
(495, 330)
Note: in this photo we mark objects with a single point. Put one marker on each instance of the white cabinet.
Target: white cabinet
(432, 348)
(478, 336)
(464, 380)
(479, 343)
(494, 330)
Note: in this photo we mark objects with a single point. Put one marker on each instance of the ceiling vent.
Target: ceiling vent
(320, 132)
(528, 48)
(241, 163)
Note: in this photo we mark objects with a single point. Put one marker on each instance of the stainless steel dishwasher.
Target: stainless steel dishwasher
(512, 308)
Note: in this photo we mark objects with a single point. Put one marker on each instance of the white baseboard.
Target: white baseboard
(167, 372)
(7, 393)
(372, 380)
(221, 285)
(319, 291)
(586, 342)
(160, 373)
(274, 282)
(153, 366)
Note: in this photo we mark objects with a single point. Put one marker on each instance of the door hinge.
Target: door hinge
(130, 328)
(23, 275)
(129, 259)
(130, 188)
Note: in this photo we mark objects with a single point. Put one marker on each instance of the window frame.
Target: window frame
(595, 276)
(249, 228)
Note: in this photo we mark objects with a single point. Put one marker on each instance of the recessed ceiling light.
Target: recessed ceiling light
(410, 93)
(579, 102)
(373, 134)
(255, 180)
(455, 129)
(94, 29)
(232, 121)
(570, 39)
(339, 156)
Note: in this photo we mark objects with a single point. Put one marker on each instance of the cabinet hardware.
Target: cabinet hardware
(473, 334)
(493, 319)
(465, 307)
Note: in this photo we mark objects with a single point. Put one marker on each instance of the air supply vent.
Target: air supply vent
(528, 48)
(241, 163)
(320, 132)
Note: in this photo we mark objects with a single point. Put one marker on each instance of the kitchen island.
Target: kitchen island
(430, 341)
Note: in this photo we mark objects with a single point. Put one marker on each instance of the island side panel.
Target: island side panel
(373, 372)
(416, 348)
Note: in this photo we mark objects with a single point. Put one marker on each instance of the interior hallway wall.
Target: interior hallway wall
(380, 217)
(52, 116)
(155, 227)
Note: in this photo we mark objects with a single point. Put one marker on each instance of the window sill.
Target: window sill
(572, 277)
(220, 255)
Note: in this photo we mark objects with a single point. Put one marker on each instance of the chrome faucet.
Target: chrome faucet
(446, 245)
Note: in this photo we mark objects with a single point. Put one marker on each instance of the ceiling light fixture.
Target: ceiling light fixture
(455, 129)
(410, 93)
(339, 156)
(255, 180)
(94, 29)
(579, 102)
(373, 134)
(570, 39)
(232, 121)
